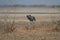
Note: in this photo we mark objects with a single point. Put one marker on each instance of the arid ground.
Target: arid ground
(14, 24)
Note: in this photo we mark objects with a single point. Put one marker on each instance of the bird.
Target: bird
(31, 18)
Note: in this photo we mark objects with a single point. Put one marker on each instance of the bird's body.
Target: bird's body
(31, 18)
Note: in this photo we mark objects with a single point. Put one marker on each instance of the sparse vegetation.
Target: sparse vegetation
(17, 27)
(23, 30)
(7, 25)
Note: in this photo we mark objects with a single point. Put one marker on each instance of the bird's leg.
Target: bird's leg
(32, 25)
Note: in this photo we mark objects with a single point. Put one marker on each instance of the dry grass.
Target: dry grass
(48, 23)
(27, 26)
(24, 30)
